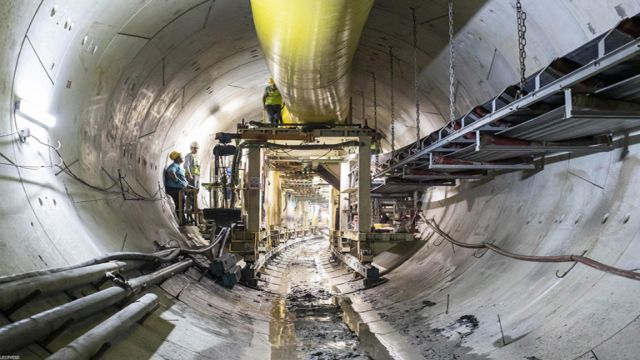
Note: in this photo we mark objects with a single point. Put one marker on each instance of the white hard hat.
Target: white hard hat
(194, 144)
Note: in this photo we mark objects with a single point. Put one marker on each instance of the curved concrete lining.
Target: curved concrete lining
(131, 81)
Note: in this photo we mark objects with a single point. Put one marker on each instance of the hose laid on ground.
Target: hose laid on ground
(160, 256)
(23, 332)
(532, 258)
(93, 341)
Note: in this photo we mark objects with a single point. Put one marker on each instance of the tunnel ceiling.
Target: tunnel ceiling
(131, 81)
(164, 69)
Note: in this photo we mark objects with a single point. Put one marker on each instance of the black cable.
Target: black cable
(630, 274)
(162, 256)
(130, 191)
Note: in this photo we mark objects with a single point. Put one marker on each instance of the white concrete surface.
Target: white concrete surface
(193, 68)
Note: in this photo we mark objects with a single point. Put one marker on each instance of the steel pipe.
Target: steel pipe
(94, 340)
(37, 327)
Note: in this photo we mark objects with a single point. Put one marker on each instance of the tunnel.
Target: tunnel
(526, 256)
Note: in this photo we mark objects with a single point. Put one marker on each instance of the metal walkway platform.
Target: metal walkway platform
(573, 105)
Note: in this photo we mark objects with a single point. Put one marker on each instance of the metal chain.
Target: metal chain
(415, 73)
(364, 117)
(375, 118)
(452, 74)
(393, 120)
(375, 101)
(521, 17)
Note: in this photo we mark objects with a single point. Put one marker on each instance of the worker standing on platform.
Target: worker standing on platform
(192, 166)
(192, 171)
(175, 181)
(272, 100)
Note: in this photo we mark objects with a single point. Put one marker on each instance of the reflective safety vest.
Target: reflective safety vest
(273, 96)
(194, 165)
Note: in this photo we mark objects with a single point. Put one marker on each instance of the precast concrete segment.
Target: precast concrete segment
(86, 346)
(309, 47)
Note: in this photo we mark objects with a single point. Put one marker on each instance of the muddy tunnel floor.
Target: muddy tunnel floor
(307, 322)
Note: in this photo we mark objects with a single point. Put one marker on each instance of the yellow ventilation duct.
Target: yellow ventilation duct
(309, 46)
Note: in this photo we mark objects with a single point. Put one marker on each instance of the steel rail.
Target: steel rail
(535, 258)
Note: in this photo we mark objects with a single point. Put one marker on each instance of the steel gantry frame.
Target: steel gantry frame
(572, 105)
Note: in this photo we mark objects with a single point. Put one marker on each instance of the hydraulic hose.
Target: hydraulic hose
(532, 258)
(16, 291)
(93, 341)
(222, 236)
(37, 327)
(162, 256)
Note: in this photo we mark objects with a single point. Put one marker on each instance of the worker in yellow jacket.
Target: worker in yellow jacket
(272, 100)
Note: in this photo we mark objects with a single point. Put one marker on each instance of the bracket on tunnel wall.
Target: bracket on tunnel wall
(370, 273)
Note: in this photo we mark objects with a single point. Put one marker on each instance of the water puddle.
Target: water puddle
(307, 320)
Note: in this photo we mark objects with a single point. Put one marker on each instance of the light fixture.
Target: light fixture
(31, 112)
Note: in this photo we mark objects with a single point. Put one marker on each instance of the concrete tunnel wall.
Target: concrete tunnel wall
(152, 76)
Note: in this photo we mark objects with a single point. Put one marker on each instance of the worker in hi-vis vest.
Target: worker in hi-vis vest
(272, 100)
(192, 171)
(192, 166)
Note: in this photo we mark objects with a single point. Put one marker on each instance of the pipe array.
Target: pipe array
(37, 327)
(16, 291)
(97, 339)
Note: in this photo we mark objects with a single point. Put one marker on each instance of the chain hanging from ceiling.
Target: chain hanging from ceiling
(393, 119)
(364, 117)
(452, 74)
(375, 117)
(416, 73)
(521, 17)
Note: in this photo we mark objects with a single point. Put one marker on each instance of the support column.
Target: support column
(364, 185)
(252, 202)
